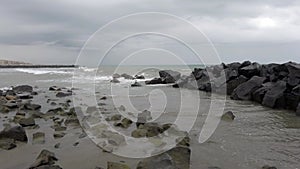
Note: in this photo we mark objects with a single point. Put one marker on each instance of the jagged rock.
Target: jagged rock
(258, 95)
(11, 105)
(154, 81)
(54, 88)
(113, 165)
(126, 76)
(11, 97)
(63, 94)
(250, 70)
(115, 80)
(245, 90)
(136, 84)
(38, 138)
(228, 116)
(234, 65)
(169, 76)
(45, 158)
(245, 63)
(57, 135)
(26, 122)
(138, 133)
(143, 117)
(274, 98)
(72, 121)
(233, 84)
(185, 142)
(116, 117)
(139, 77)
(32, 106)
(7, 144)
(153, 129)
(125, 123)
(17, 133)
(23, 88)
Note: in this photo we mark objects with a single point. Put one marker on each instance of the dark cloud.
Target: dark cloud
(69, 23)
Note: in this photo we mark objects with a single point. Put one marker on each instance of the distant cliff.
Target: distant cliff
(9, 62)
(17, 64)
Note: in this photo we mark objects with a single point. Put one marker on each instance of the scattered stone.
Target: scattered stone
(72, 121)
(32, 106)
(122, 108)
(17, 133)
(11, 105)
(57, 145)
(63, 94)
(143, 117)
(228, 116)
(23, 88)
(136, 84)
(113, 165)
(75, 144)
(57, 135)
(7, 144)
(54, 88)
(116, 117)
(26, 122)
(138, 133)
(11, 97)
(38, 138)
(103, 98)
(125, 123)
(45, 158)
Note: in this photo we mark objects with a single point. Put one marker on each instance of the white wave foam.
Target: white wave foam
(44, 71)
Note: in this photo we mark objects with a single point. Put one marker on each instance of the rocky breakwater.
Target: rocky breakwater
(272, 85)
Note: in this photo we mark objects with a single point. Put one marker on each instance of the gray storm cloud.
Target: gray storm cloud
(54, 31)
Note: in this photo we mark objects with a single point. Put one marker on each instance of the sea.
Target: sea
(257, 136)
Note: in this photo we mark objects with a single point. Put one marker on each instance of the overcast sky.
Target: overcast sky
(54, 31)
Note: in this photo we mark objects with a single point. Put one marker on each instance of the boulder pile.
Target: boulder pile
(272, 85)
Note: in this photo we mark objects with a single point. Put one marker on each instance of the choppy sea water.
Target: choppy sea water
(258, 136)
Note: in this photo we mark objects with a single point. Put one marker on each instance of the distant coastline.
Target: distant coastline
(18, 64)
(38, 66)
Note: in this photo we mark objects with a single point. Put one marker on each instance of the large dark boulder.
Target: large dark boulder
(251, 70)
(293, 69)
(198, 73)
(274, 98)
(245, 90)
(234, 65)
(169, 76)
(259, 94)
(245, 63)
(17, 133)
(293, 98)
(233, 84)
(23, 88)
